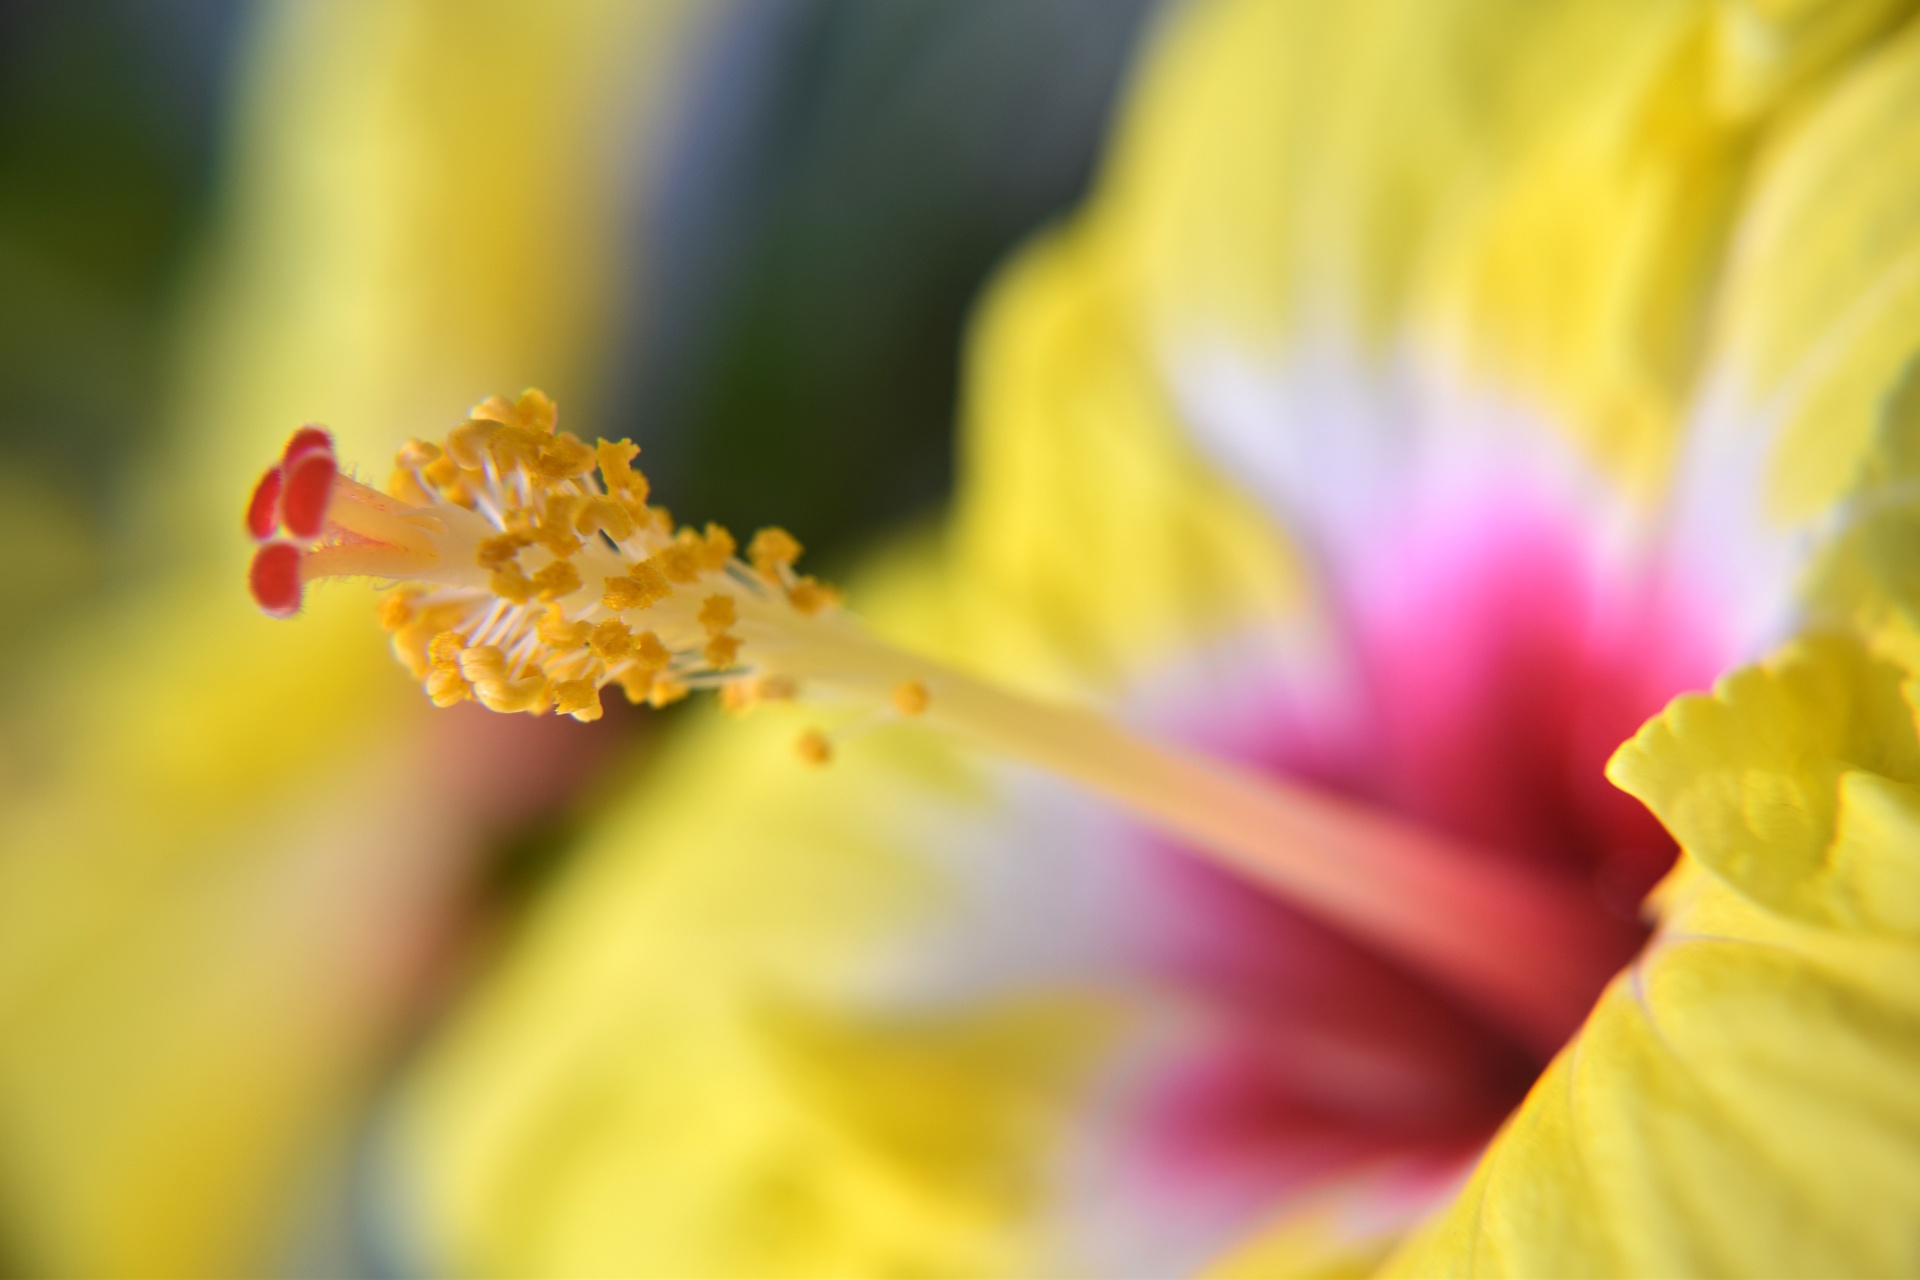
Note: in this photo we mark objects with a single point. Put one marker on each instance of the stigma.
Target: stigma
(530, 572)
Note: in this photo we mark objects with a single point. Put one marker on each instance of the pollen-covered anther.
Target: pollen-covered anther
(650, 652)
(616, 469)
(577, 698)
(717, 613)
(534, 410)
(556, 580)
(682, 561)
(809, 595)
(773, 551)
(500, 550)
(666, 692)
(397, 608)
(528, 693)
(610, 640)
(642, 585)
(496, 533)
(719, 549)
(562, 457)
(483, 662)
(556, 632)
(600, 514)
(722, 651)
(446, 686)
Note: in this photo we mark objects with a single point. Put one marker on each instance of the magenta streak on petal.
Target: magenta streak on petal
(1497, 672)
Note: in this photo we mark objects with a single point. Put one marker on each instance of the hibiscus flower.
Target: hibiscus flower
(1433, 404)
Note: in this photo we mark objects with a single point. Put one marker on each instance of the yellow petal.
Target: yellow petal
(1795, 782)
(1740, 1102)
(1090, 539)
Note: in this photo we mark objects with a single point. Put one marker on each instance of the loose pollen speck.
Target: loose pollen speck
(812, 746)
(910, 698)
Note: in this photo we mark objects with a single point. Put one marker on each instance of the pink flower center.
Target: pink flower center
(1493, 668)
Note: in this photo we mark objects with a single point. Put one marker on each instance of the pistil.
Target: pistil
(533, 573)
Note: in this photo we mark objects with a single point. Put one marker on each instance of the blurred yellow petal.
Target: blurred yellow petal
(1089, 539)
(704, 1057)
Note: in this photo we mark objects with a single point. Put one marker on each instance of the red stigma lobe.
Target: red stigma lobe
(304, 496)
(263, 508)
(274, 579)
(304, 441)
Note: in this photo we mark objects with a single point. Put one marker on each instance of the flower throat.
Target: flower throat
(531, 572)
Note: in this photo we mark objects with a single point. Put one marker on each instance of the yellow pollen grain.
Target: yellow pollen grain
(812, 747)
(396, 609)
(529, 693)
(644, 585)
(415, 454)
(652, 581)
(561, 509)
(410, 647)
(635, 681)
(577, 698)
(467, 443)
(556, 580)
(616, 468)
(553, 529)
(513, 446)
(563, 457)
(443, 473)
(680, 561)
(511, 585)
(665, 692)
(722, 651)
(620, 594)
(772, 550)
(738, 697)
(406, 486)
(610, 640)
(910, 698)
(536, 411)
(649, 652)
(599, 514)
(717, 613)
(719, 548)
(557, 633)
(810, 596)
(498, 551)
(494, 408)
(446, 686)
(444, 651)
(483, 662)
